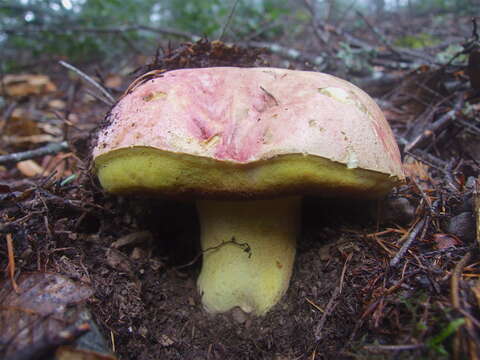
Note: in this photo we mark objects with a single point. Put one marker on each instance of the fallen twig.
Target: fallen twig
(455, 299)
(331, 303)
(421, 225)
(87, 78)
(289, 53)
(436, 126)
(328, 310)
(455, 279)
(393, 347)
(6, 115)
(47, 344)
(476, 210)
(11, 263)
(229, 19)
(52, 148)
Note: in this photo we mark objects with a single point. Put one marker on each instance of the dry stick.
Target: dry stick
(288, 53)
(398, 52)
(328, 310)
(322, 38)
(331, 303)
(11, 262)
(475, 130)
(89, 80)
(49, 149)
(285, 52)
(229, 19)
(377, 33)
(436, 126)
(476, 210)
(455, 298)
(109, 30)
(425, 198)
(422, 224)
(454, 281)
(393, 347)
(7, 115)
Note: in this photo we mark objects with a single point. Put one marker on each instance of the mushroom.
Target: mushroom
(246, 144)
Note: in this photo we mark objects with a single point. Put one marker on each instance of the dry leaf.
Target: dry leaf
(33, 139)
(133, 239)
(113, 81)
(57, 104)
(165, 341)
(26, 85)
(58, 164)
(44, 305)
(445, 241)
(118, 261)
(29, 168)
(21, 123)
(416, 169)
(71, 353)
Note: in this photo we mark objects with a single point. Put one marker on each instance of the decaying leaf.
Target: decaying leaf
(71, 353)
(444, 241)
(416, 170)
(29, 168)
(26, 85)
(21, 123)
(113, 81)
(45, 304)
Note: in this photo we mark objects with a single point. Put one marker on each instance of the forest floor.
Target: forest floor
(392, 279)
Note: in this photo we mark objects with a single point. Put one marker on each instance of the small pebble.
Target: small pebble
(462, 225)
(238, 315)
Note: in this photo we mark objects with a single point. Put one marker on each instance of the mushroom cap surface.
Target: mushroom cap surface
(249, 131)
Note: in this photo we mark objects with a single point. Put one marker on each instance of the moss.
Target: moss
(416, 41)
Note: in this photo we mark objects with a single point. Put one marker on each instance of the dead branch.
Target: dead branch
(87, 78)
(400, 53)
(110, 30)
(332, 302)
(455, 280)
(50, 149)
(289, 53)
(421, 225)
(229, 19)
(435, 127)
(476, 209)
(322, 37)
(48, 344)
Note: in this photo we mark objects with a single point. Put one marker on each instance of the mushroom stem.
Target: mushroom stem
(249, 250)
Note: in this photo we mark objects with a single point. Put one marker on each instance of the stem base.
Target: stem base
(249, 251)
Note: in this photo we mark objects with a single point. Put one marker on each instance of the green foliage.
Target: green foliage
(416, 41)
(30, 29)
(452, 52)
(436, 343)
(207, 17)
(112, 30)
(356, 61)
(463, 7)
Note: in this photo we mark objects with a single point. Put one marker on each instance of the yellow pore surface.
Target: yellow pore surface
(153, 171)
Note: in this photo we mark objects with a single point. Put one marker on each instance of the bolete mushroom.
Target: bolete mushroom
(246, 144)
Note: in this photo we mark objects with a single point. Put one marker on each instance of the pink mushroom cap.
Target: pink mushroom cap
(244, 116)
